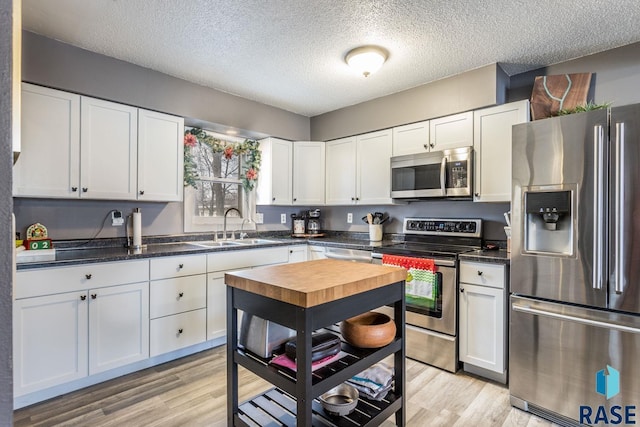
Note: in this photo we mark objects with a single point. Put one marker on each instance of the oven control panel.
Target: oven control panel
(443, 227)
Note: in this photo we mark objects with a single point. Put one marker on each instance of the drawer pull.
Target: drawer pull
(181, 294)
(461, 289)
(479, 273)
(181, 266)
(142, 192)
(74, 189)
(94, 296)
(180, 331)
(83, 297)
(85, 189)
(88, 276)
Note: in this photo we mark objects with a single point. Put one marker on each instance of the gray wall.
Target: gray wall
(463, 92)
(616, 70)
(62, 66)
(6, 207)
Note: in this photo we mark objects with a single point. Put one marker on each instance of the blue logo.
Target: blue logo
(608, 382)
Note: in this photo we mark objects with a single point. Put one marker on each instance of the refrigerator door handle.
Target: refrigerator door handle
(581, 320)
(619, 232)
(598, 214)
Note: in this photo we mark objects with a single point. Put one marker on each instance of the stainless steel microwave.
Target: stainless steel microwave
(446, 173)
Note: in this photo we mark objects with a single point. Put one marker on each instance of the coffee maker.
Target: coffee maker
(313, 221)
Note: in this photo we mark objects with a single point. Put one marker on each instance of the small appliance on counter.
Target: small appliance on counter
(313, 221)
(298, 224)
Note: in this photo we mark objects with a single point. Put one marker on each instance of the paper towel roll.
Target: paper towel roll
(137, 228)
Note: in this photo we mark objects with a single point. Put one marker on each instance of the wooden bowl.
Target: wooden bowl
(369, 330)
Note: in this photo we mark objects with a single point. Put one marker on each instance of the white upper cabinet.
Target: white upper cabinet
(341, 171)
(49, 164)
(80, 147)
(160, 156)
(451, 131)
(276, 172)
(411, 139)
(358, 169)
(108, 154)
(373, 172)
(492, 146)
(308, 173)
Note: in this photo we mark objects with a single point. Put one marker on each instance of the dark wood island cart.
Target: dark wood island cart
(307, 297)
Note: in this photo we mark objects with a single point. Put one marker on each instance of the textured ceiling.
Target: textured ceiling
(290, 53)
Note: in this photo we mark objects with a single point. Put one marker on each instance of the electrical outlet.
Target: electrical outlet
(283, 218)
(349, 218)
(116, 218)
(259, 218)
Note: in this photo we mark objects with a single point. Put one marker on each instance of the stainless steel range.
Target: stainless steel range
(432, 329)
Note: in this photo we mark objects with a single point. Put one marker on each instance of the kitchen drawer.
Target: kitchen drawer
(234, 260)
(482, 273)
(55, 280)
(178, 331)
(177, 266)
(171, 296)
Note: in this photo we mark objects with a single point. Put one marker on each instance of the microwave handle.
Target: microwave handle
(443, 176)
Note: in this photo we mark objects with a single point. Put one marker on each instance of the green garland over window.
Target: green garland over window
(249, 150)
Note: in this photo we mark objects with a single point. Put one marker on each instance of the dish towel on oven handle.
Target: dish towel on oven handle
(422, 280)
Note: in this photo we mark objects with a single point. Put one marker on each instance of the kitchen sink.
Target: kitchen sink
(254, 241)
(214, 244)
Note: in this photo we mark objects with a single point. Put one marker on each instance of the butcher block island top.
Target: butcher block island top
(311, 283)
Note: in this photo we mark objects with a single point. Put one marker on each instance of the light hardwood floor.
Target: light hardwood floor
(192, 392)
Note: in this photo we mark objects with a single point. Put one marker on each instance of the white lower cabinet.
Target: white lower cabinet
(50, 341)
(216, 306)
(316, 252)
(68, 331)
(178, 331)
(118, 326)
(178, 303)
(483, 318)
(297, 253)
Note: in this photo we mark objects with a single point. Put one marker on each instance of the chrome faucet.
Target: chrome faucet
(242, 233)
(224, 230)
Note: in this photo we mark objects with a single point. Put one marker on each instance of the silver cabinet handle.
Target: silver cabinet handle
(443, 176)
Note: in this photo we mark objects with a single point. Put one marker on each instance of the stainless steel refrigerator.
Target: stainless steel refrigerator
(575, 267)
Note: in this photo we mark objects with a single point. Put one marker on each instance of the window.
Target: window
(215, 178)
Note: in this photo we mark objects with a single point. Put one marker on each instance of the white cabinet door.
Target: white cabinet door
(216, 306)
(411, 139)
(308, 173)
(49, 164)
(373, 172)
(482, 327)
(160, 156)
(50, 340)
(118, 326)
(492, 146)
(451, 131)
(275, 182)
(297, 253)
(341, 171)
(108, 155)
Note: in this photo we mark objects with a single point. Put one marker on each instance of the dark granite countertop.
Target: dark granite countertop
(494, 256)
(73, 255)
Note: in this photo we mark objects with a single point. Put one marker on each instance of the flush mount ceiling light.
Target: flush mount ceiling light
(366, 59)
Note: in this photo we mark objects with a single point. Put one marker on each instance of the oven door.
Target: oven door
(441, 316)
(418, 175)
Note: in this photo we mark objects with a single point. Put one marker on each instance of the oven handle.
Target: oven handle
(439, 262)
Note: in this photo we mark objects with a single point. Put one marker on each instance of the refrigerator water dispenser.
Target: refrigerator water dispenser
(548, 222)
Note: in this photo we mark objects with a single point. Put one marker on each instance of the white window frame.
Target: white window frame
(194, 223)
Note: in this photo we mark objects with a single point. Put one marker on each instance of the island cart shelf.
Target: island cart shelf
(308, 297)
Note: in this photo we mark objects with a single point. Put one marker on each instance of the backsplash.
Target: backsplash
(84, 219)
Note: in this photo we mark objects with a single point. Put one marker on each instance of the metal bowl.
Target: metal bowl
(340, 400)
